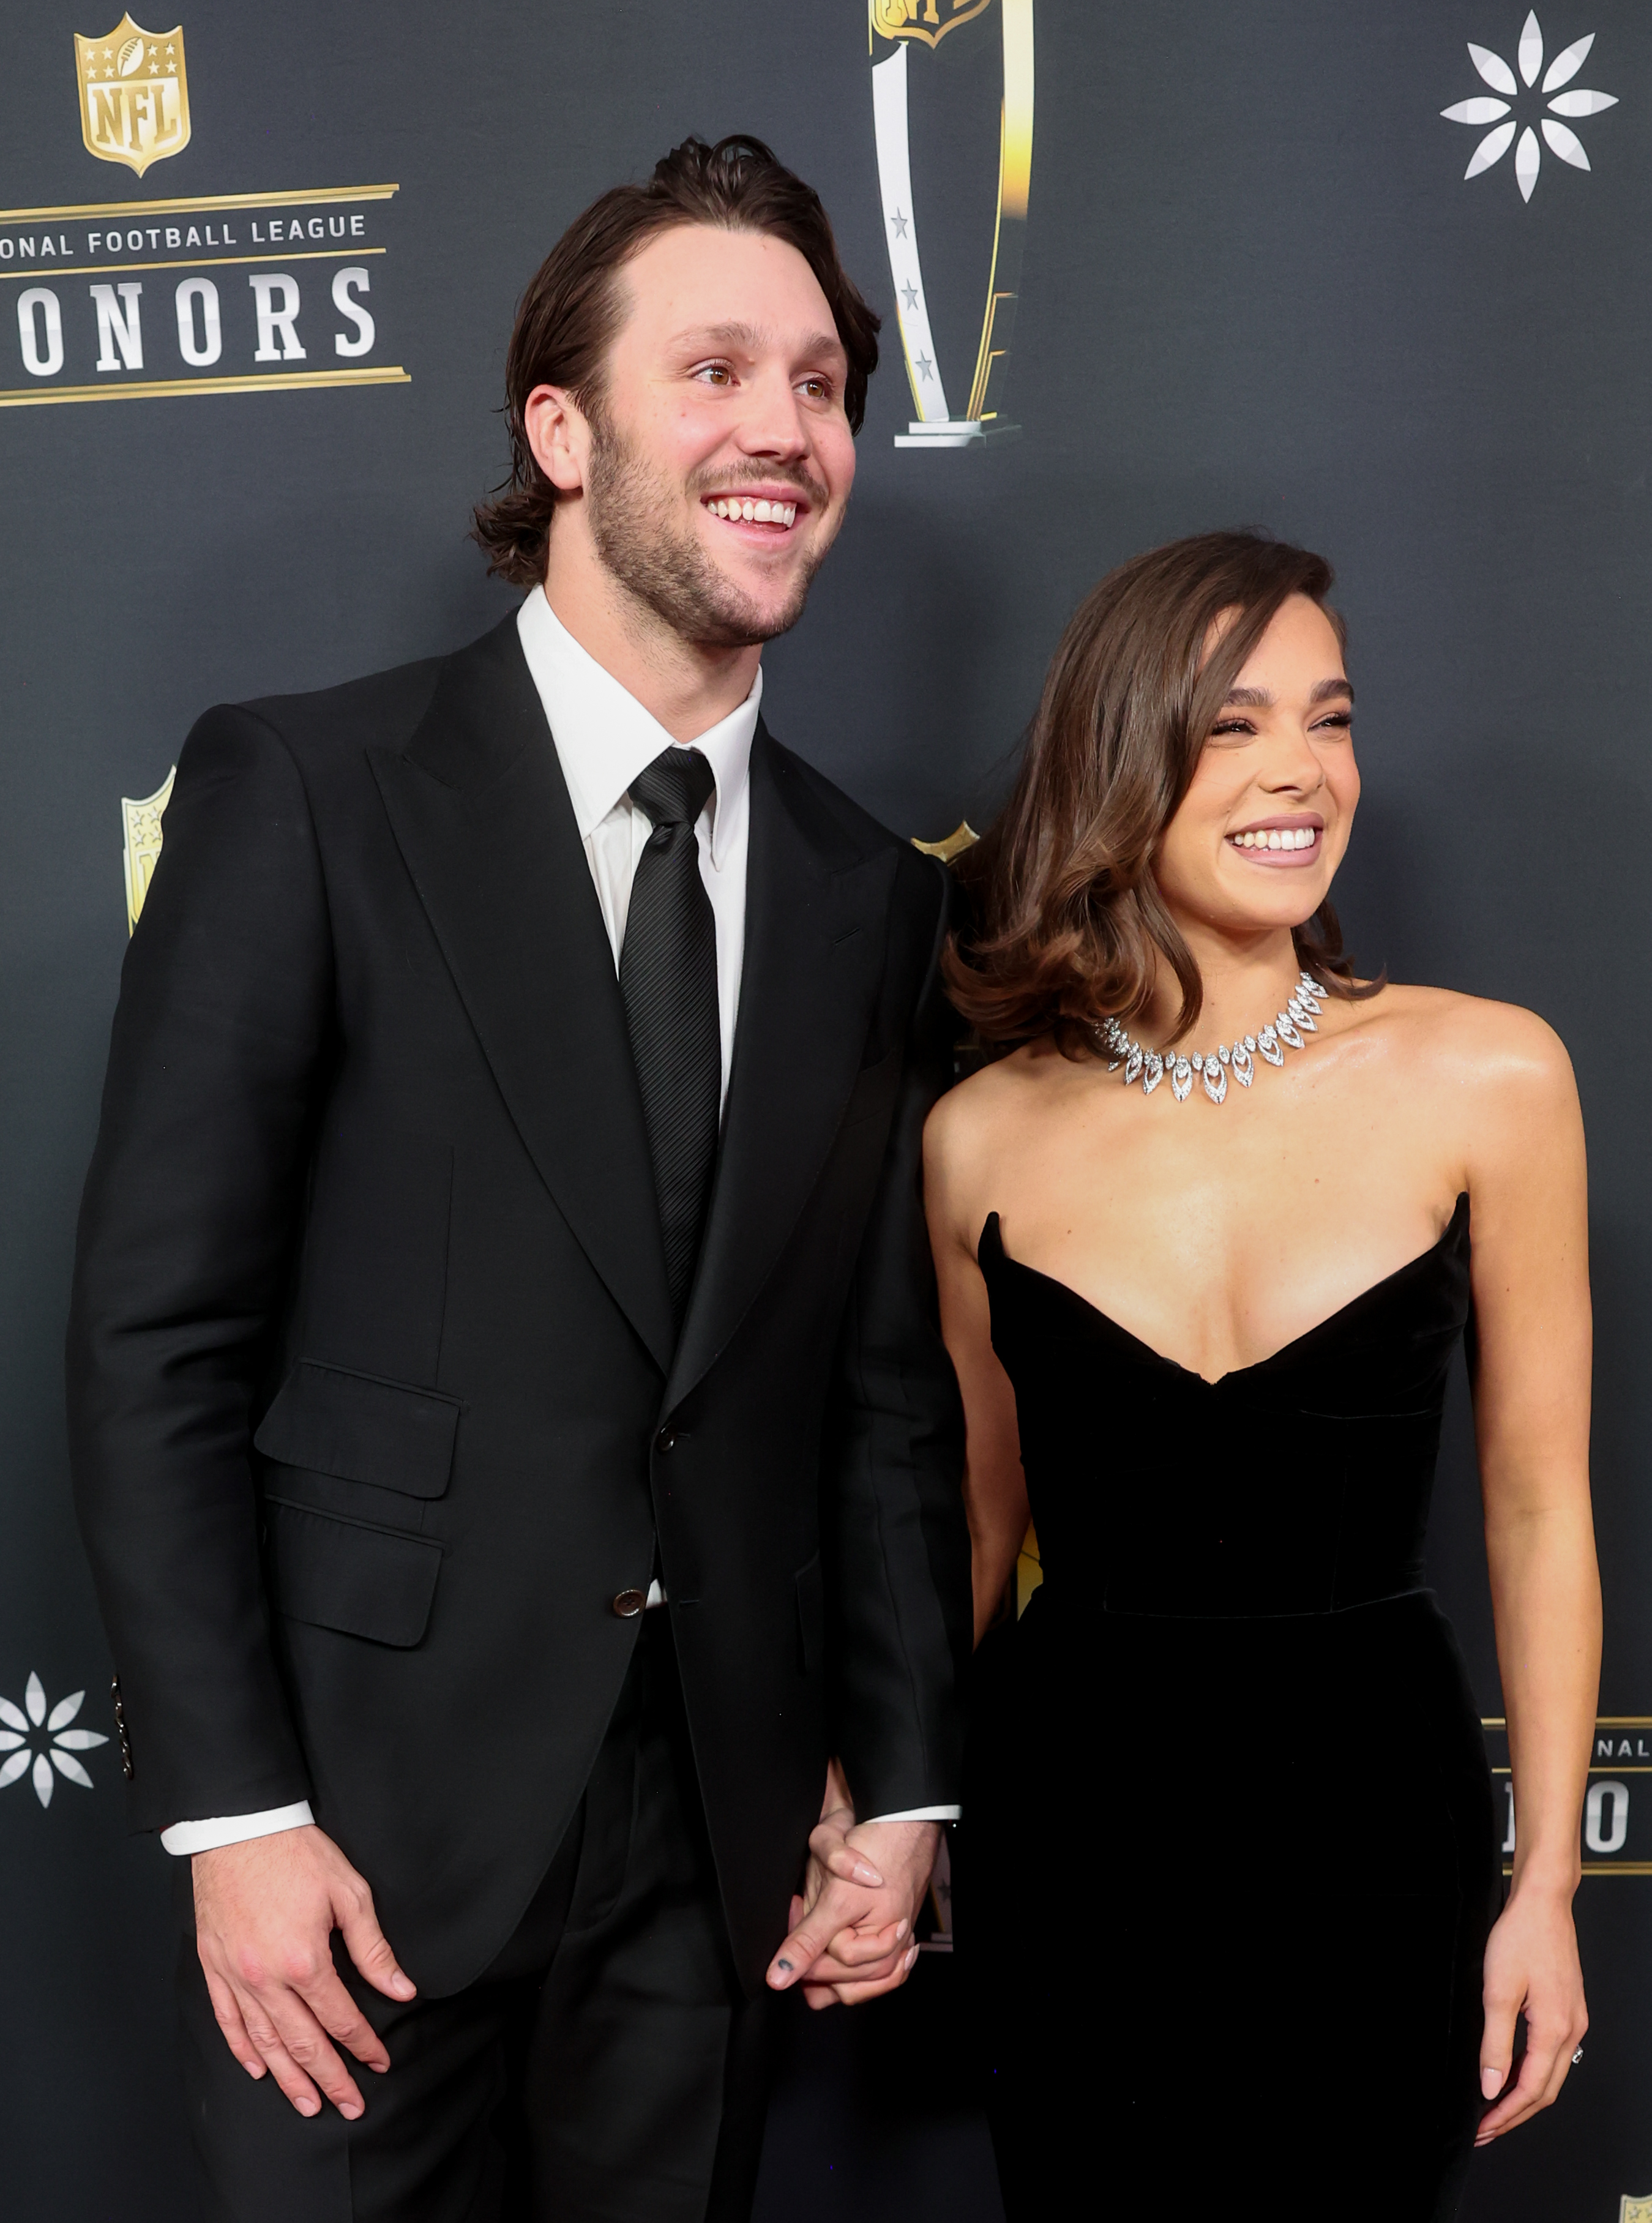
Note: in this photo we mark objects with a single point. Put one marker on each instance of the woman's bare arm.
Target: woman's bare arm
(995, 1490)
(1527, 1195)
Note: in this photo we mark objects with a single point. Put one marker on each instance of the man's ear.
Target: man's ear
(558, 432)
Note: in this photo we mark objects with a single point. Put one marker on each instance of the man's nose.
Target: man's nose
(772, 423)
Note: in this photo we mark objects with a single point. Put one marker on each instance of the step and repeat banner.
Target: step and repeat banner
(1374, 279)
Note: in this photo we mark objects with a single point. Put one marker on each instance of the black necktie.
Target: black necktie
(668, 982)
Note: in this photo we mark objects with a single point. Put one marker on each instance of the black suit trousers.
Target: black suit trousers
(605, 2068)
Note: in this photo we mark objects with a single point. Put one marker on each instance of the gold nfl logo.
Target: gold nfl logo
(141, 817)
(134, 94)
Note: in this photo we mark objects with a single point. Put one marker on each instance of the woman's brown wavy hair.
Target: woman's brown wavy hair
(1068, 921)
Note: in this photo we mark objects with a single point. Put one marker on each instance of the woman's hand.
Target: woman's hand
(1532, 1968)
(851, 1930)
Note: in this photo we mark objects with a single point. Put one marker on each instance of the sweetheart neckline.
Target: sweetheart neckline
(1055, 1282)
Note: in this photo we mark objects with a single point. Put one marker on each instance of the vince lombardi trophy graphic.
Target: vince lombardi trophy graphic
(895, 27)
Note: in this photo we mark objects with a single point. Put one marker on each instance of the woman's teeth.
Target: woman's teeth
(756, 513)
(1277, 837)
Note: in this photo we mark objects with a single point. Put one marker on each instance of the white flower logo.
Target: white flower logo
(1561, 138)
(21, 1727)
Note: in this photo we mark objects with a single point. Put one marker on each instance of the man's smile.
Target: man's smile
(774, 511)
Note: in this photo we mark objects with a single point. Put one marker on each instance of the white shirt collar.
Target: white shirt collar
(605, 736)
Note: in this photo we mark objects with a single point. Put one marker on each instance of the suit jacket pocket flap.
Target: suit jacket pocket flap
(339, 1574)
(361, 1429)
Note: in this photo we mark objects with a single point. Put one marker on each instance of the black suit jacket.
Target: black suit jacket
(375, 1400)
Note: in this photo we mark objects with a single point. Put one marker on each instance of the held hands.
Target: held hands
(852, 1930)
(1532, 1968)
(264, 1912)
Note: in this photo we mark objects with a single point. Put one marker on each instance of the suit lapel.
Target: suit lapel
(815, 912)
(481, 815)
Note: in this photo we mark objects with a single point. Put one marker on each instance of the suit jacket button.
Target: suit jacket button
(665, 1440)
(630, 1603)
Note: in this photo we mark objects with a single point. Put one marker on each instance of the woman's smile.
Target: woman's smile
(1285, 844)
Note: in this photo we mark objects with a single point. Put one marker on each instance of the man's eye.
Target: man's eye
(818, 390)
(717, 374)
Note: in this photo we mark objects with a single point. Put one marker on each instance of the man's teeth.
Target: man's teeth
(756, 513)
(1277, 837)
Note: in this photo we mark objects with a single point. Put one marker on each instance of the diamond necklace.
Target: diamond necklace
(1212, 1066)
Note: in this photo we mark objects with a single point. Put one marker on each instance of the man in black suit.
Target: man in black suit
(510, 1428)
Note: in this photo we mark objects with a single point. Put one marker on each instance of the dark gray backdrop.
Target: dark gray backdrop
(1255, 290)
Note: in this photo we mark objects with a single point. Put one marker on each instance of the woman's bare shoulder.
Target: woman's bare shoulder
(987, 1104)
(1473, 1041)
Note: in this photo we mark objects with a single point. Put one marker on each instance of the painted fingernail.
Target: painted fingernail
(864, 1874)
(786, 1965)
(1490, 2082)
(911, 1957)
(902, 1927)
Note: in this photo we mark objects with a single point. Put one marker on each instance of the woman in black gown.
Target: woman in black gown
(1228, 1882)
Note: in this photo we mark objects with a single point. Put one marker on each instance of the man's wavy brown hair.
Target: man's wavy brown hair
(575, 302)
(1068, 921)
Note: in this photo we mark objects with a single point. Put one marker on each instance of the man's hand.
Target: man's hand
(264, 1912)
(851, 1931)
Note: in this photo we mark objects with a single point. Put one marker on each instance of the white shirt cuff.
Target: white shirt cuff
(921, 1814)
(235, 1828)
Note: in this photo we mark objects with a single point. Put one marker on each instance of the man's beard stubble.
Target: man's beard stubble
(633, 524)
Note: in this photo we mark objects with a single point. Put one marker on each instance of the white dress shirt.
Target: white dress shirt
(603, 738)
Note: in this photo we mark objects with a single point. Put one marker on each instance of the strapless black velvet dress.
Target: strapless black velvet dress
(1229, 1857)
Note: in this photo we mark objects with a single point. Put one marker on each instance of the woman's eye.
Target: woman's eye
(1232, 725)
(1342, 718)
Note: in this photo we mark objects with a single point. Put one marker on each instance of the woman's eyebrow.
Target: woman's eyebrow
(1263, 698)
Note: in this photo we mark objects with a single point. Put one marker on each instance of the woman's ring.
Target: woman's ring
(1577, 2056)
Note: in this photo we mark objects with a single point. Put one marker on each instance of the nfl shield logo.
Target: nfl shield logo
(140, 818)
(134, 94)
